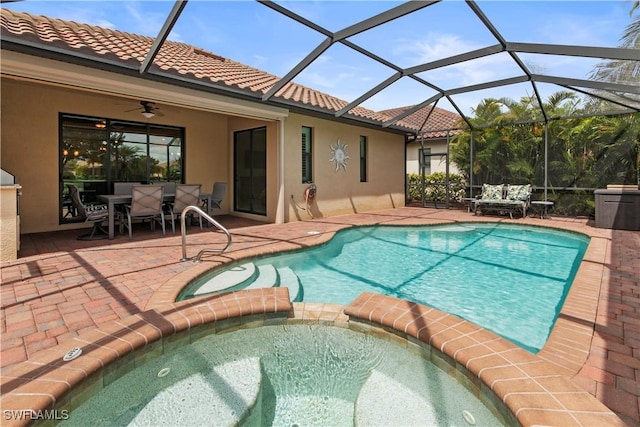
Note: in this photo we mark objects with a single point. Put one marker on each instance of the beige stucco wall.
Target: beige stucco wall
(341, 192)
(29, 142)
(438, 164)
(29, 149)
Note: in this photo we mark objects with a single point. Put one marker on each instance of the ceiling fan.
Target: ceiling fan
(149, 109)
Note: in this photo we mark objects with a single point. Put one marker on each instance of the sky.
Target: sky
(255, 35)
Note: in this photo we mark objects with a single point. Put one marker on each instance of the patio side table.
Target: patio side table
(544, 205)
(471, 206)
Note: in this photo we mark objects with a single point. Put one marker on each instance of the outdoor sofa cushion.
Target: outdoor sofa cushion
(491, 192)
(519, 192)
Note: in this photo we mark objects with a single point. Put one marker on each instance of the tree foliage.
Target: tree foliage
(583, 153)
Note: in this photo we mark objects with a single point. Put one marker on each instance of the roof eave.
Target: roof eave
(131, 68)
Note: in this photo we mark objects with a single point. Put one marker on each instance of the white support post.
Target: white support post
(281, 204)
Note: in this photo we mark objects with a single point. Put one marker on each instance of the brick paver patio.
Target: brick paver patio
(61, 287)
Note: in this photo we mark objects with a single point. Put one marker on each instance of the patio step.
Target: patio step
(289, 279)
(234, 277)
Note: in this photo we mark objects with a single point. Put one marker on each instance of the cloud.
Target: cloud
(584, 29)
(316, 80)
(259, 60)
(437, 46)
(434, 46)
(145, 21)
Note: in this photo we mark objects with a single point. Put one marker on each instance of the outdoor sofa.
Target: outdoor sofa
(504, 198)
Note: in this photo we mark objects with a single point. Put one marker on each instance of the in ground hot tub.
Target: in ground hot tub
(286, 375)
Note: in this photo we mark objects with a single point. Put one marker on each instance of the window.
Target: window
(307, 176)
(425, 161)
(363, 159)
(96, 152)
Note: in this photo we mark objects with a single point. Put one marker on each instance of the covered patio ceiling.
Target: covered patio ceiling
(520, 62)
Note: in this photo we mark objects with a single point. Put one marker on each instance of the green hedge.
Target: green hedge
(435, 187)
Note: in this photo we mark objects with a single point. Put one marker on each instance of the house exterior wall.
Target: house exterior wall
(340, 191)
(438, 164)
(29, 147)
(29, 143)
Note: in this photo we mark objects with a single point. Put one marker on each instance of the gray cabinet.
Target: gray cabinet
(618, 209)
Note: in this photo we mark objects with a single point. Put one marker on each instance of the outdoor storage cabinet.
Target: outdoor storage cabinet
(618, 209)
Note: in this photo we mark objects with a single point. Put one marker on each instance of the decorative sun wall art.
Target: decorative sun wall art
(339, 155)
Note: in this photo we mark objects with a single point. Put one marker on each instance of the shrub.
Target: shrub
(435, 187)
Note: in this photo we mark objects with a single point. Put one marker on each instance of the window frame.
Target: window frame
(307, 154)
(101, 135)
(424, 160)
(364, 142)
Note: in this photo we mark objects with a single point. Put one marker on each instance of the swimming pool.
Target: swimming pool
(511, 279)
(293, 375)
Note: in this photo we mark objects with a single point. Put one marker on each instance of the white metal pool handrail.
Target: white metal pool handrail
(212, 221)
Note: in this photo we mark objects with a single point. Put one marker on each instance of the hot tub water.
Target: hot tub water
(285, 375)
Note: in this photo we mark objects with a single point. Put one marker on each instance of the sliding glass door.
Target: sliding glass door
(250, 171)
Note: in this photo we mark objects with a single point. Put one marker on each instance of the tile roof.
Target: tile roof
(440, 120)
(187, 61)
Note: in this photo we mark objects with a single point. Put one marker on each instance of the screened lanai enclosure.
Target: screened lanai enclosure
(556, 106)
(565, 160)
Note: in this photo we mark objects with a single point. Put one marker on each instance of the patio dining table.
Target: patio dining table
(113, 200)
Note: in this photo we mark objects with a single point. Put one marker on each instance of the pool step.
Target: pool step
(250, 276)
(374, 408)
(289, 279)
(267, 277)
(234, 277)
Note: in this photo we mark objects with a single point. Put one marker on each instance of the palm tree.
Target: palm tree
(627, 144)
(622, 71)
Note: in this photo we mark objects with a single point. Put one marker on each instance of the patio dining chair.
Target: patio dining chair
(169, 186)
(146, 203)
(186, 195)
(123, 187)
(219, 190)
(95, 213)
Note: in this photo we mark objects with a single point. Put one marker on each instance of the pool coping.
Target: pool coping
(569, 342)
(533, 391)
(39, 382)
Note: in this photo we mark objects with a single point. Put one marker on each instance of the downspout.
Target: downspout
(281, 205)
(447, 182)
(406, 174)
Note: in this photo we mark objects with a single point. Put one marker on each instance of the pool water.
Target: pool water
(293, 375)
(511, 279)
